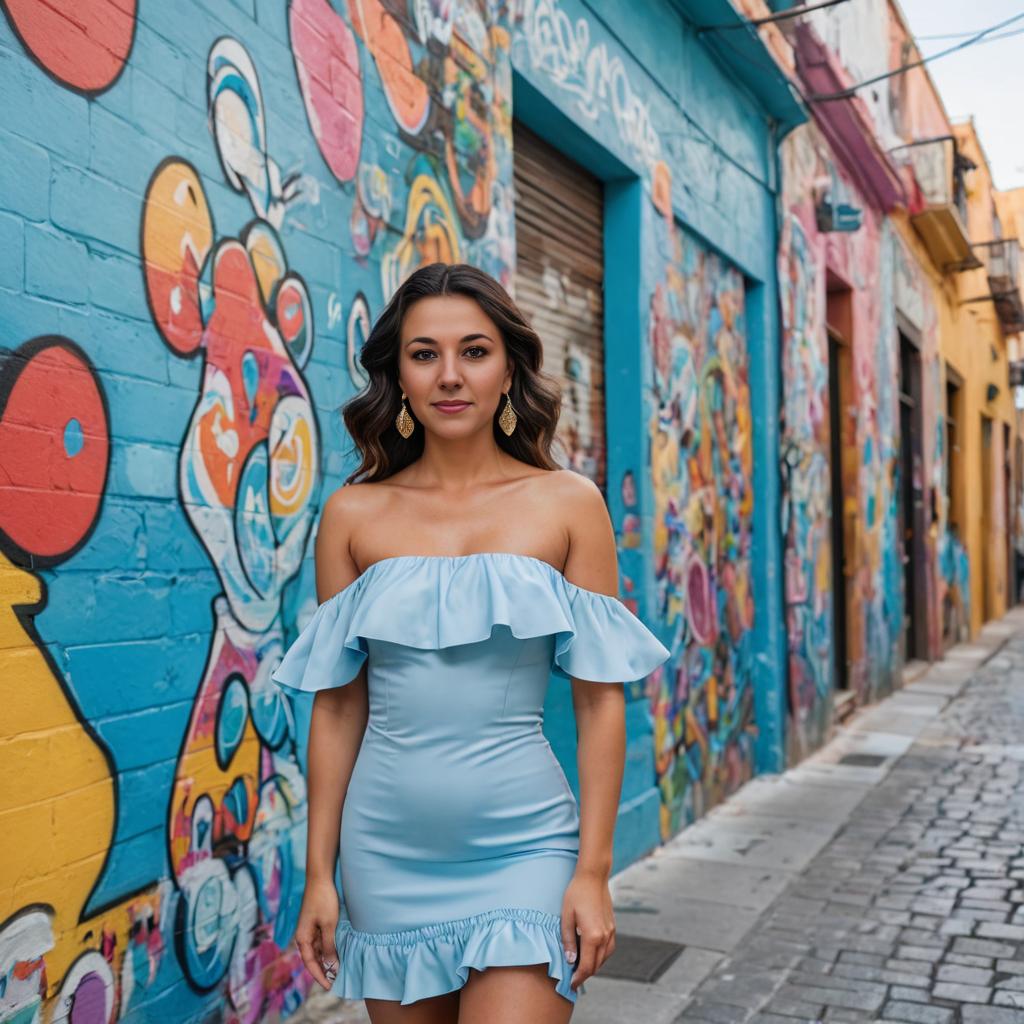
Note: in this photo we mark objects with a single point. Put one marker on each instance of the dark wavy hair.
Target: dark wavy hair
(370, 416)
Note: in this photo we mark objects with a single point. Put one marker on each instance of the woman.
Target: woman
(461, 569)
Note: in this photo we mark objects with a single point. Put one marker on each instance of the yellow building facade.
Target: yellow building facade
(953, 229)
(974, 344)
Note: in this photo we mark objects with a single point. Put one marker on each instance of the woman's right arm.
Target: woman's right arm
(336, 730)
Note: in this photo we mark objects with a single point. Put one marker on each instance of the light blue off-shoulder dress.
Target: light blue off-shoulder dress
(459, 830)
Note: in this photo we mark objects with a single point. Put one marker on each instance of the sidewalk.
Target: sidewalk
(876, 880)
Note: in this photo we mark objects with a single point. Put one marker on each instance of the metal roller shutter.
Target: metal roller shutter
(559, 287)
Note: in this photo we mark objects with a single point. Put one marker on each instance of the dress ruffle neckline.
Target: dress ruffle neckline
(432, 602)
(421, 962)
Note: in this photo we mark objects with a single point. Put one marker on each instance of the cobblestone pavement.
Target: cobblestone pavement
(914, 911)
(881, 879)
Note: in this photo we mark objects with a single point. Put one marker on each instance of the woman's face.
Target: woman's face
(452, 354)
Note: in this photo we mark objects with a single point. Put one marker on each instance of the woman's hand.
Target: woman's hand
(314, 934)
(587, 909)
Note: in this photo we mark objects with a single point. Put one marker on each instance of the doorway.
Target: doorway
(911, 498)
(987, 611)
(954, 603)
(1007, 453)
(1016, 525)
(559, 285)
(838, 372)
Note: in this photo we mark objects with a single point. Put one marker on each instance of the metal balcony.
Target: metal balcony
(938, 205)
(1002, 268)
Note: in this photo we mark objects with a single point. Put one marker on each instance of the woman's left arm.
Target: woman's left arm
(601, 747)
(600, 755)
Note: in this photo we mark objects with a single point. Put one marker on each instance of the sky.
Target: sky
(985, 80)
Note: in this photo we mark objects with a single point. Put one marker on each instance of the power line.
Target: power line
(949, 35)
(1002, 35)
(844, 94)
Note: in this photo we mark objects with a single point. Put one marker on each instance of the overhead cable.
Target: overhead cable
(845, 94)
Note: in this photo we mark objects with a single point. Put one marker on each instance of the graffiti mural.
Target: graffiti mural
(912, 301)
(216, 202)
(701, 464)
(57, 777)
(248, 482)
(806, 495)
(876, 383)
(327, 67)
(596, 79)
(444, 74)
(871, 270)
(217, 899)
(83, 44)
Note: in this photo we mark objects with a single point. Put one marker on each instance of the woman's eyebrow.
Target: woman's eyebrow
(433, 341)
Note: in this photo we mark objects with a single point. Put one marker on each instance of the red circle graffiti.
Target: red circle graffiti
(700, 604)
(82, 43)
(54, 447)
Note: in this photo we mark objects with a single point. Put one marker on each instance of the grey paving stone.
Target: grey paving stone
(991, 1015)
(920, 937)
(910, 966)
(906, 994)
(850, 956)
(929, 953)
(703, 1012)
(789, 1006)
(961, 993)
(983, 947)
(956, 926)
(968, 960)
(865, 998)
(918, 1013)
(992, 930)
(964, 975)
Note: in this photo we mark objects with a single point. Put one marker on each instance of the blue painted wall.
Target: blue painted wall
(196, 231)
(688, 160)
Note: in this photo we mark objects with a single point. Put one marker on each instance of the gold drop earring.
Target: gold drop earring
(508, 418)
(403, 421)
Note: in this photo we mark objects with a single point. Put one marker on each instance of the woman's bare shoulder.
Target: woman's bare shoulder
(581, 495)
(349, 499)
(349, 505)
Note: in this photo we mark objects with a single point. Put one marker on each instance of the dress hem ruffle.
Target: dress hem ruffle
(418, 963)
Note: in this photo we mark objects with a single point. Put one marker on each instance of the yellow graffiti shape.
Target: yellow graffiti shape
(292, 458)
(430, 235)
(57, 796)
(268, 260)
(177, 232)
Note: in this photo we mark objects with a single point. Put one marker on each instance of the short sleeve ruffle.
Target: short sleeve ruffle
(436, 601)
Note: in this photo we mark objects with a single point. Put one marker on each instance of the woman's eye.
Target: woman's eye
(430, 352)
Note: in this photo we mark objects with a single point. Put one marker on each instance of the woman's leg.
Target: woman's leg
(435, 1010)
(512, 995)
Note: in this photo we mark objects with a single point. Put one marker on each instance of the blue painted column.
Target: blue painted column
(770, 668)
(630, 500)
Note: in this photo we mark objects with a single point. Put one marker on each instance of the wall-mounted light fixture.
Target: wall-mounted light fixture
(830, 212)
(839, 217)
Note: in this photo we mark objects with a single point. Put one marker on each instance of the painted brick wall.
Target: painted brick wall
(202, 206)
